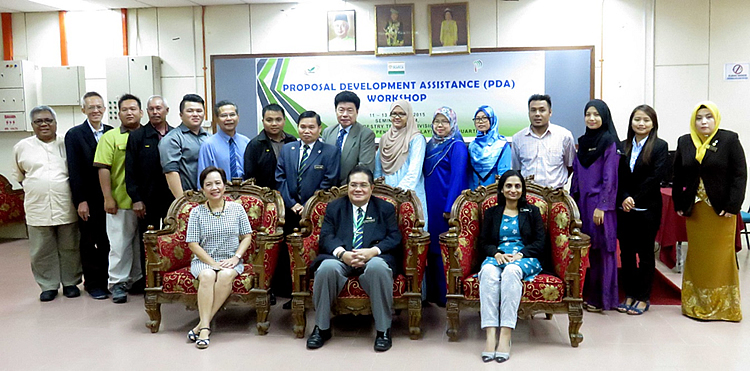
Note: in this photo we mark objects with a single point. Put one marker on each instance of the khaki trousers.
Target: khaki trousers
(55, 256)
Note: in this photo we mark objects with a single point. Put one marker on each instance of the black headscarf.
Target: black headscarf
(592, 145)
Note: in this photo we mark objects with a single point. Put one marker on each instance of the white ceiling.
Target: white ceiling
(14, 6)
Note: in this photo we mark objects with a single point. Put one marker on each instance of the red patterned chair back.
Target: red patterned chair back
(408, 212)
(471, 206)
(11, 203)
(175, 253)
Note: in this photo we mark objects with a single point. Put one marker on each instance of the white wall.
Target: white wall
(668, 53)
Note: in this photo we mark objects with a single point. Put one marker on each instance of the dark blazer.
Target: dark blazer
(531, 227)
(724, 173)
(644, 182)
(260, 159)
(322, 171)
(80, 146)
(144, 178)
(380, 229)
(359, 148)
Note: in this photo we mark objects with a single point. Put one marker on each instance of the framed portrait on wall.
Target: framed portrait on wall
(449, 28)
(394, 29)
(342, 36)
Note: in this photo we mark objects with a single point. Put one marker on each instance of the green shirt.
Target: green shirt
(110, 154)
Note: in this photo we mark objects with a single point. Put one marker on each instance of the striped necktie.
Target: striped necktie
(303, 163)
(357, 241)
(234, 162)
(340, 139)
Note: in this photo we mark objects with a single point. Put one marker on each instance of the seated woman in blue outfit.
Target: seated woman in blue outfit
(218, 234)
(513, 238)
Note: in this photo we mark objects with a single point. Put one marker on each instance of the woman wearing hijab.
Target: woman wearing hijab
(401, 153)
(490, 152)
(710, 175)
(445, 166)
(641, 171)
(594, 187)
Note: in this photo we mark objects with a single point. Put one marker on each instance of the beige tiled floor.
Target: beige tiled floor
(85, 334)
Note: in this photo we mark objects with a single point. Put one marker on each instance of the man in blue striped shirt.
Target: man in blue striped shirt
(226, 149)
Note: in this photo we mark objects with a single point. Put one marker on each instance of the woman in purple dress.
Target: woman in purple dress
(594, 187)
(445, 171)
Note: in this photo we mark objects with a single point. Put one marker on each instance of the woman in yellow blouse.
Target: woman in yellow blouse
(448, 29)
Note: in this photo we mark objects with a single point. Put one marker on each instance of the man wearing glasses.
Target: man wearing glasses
(543, 149)
(80, 145)
(355, 141)
(42, 170)
(359, 237)
(226, 149)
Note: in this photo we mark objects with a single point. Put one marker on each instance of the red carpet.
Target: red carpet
(663, 292)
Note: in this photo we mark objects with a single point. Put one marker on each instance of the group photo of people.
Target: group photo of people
(401, 185)
(95, 191)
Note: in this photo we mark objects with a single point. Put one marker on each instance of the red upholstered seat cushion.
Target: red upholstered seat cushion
(543, 288)
(174, 251)
(353, 290)
(182, 281)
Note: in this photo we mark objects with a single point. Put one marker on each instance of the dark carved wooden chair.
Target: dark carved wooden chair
(549, 294)
(407, 287)
(168, 277)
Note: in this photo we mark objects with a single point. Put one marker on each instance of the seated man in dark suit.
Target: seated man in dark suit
(360, 236)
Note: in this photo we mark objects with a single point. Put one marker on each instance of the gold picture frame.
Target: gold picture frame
(394, 29)
(449, 28)
(342, 31)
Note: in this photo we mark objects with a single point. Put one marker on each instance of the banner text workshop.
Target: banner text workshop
(402, 85)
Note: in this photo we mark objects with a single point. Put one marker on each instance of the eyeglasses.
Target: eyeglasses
(441, 122)
(359, 185)
(398, 114)
(38, 122)
(481, 119)
(95, 108)
(229, 115)
(342, 110)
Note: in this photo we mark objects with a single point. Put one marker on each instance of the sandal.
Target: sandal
(192, 336)
(635, 311)
(202, 343)
(591, 308)
(624, 307)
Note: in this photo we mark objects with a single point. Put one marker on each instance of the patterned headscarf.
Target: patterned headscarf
(394, 144)
(487, 147)
(701, 144)
(438, 147)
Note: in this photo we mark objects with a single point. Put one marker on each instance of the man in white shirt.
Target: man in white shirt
(41, 168)
(543, 149)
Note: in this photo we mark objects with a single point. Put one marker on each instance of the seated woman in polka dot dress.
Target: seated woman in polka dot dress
(513, 238)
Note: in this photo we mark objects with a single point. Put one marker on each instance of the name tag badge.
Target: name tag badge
(369, 219)
(318, 167)
(713, 148)
(148, 145)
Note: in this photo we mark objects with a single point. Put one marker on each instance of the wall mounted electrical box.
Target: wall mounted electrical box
(63, 86)
(140, 76)
(18, 94)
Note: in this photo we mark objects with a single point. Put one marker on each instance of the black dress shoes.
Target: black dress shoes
(383, 341)
(71, 291)
(318, 338)
(48, 295)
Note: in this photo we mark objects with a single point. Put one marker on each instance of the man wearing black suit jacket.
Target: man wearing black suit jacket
(304, 167)
(359, 236)
(80, 145)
